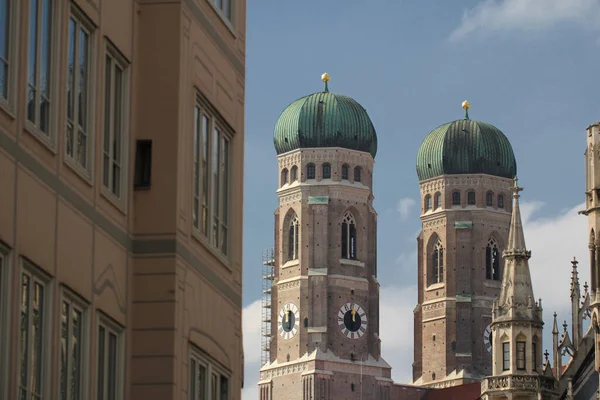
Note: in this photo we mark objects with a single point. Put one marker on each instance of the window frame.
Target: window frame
(428, 203)
(345, 172)
(456, 201)
(205, 145)
(489, 199)
(471, 198)
(500, 201)
(82, 22)
(521, 361)
(293, 174)
(110, 326)
(505, 356)
(49, 139)
(118, 60)
(311, 171)
(36, 276)
(75, 301)
(227, 19)
(357, 174)
(284, 176)
(493, 269)
(12, 59)
(198, 357)
(5, 314)
(293, 238)
(326, 167)
(534, 355)
(437, 200)
(350, 234)
(437, 263)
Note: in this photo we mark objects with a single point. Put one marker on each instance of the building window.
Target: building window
(348, 236)
(534, 356)
(345, 169)
(110, 366)
(39, 64)
(428, 202)
(500, 201)
(471, 198)
(293, 233)
(438, 200)
(212, 178)
(492, 260)
(505, 356)
(207, 381)
(521, 355)
(5, 47)
(78, 89)
(284, 176)
(224, 7)
(437, 263)
(489, 199)
(71, 349)
(356, 174)
(310, 171)
(294, 174)
(32, 338)
(115, 84)
(326, 171)
(456, 198)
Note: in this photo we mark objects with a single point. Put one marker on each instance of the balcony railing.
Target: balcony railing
(524, 383)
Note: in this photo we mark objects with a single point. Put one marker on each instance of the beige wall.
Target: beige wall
(134, 259)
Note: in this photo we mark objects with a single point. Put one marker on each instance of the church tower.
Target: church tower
(465, 171)
(592, 210)
(517, 322)
(325, 296)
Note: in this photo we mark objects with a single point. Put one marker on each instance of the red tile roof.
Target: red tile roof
(470, 391)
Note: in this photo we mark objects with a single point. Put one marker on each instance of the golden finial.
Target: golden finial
(466, 105)
(325, 78)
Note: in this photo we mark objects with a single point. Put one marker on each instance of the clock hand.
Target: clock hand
(287, 316)
(353, 315)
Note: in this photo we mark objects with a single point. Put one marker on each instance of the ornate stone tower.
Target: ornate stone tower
(517, 322)
(325, 295)
(465, 169)
(592, 210)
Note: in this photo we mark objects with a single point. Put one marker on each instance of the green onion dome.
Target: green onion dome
(325, 119)
(466, 146)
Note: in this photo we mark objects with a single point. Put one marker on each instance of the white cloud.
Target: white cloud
(525, 15)
(404, 205)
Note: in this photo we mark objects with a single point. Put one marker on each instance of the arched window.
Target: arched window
(500, 201)
(345, 171)
(326, 171)
(348, 236)
(437, 263)
(456, 199)
(284, 176)
(471, 198)
(310, 171)
(293, 238)
(438, 200)
(356, 174)
(492, 260)
(428, 202)
(489, 199)
(294, 174)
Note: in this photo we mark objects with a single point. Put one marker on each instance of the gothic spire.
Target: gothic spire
(516, 296)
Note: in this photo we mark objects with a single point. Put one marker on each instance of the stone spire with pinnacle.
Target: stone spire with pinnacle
(516, 299)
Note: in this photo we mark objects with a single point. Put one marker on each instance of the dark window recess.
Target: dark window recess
(306, 322)
(143, 164)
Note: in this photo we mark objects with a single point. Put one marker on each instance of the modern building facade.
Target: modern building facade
(465, 169)
(325, 295)
(121, 167)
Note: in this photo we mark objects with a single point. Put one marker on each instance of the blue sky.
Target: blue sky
(529, 67)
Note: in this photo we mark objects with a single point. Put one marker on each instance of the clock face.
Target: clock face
(487, 339)
(289, 321)
(352, 320)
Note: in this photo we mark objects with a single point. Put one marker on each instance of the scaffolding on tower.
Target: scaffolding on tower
(268, 274)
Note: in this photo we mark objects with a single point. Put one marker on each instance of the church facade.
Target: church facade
(477, 325)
